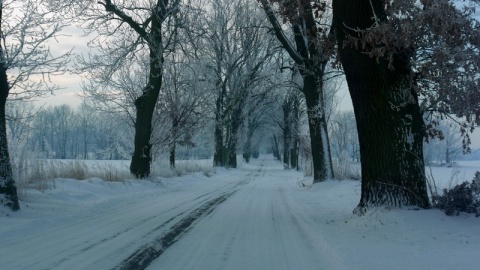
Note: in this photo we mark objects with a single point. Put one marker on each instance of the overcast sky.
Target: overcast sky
(70, 38)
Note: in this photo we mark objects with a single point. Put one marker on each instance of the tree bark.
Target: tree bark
(276, 151)
(141, 159)
(234, 125)
(218, 155)
(295, 131)
(390, 125)
(247, 150)
(287, 130)
(145, 105)
(172, 156)
(294, 155)
(321, 158)
(8, 189)
(173, 144)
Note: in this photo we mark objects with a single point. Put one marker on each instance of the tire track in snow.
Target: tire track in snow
(142, 258)
(67, 255)
(134, 226)
(89, 246)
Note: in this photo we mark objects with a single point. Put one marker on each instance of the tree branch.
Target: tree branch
(109, 7)
(280, 34)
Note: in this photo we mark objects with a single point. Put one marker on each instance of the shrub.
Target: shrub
(464, 197)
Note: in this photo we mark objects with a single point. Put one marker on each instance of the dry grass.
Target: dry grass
(161, 168)
(40, 173)
(33, 171)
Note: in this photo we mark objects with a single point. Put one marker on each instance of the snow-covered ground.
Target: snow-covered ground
(256, 217)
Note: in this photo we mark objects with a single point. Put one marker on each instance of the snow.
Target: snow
(259, 216)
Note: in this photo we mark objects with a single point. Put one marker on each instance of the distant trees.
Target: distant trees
(63, 132)
(256, 120)
(85, 125)
(446, 146)
(287, 116)
(452, 142)
(291, 128)
(344, 138)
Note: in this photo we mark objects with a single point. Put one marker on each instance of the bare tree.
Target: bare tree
(237, 50)
(84, 126)
(25, 28)
(184, 103)
(126, 30)
(446, 145)
(178, 103)
(63, 119)
(452, 142)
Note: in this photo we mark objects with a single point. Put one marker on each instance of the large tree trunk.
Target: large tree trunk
(247, 149)
(145, 106)
(390, 125)
(322, 163)
(294, 155)
(172, 156)
(219, 151)
(8, 190)
(295, 131)
(85, 146)
(173, 144)
(287, 122)
(234, 126)
(142, 156)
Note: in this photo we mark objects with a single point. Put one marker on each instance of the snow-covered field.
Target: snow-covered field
(256, 217)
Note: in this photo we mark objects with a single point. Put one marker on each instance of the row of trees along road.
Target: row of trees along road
(404, 62)
(310, 47)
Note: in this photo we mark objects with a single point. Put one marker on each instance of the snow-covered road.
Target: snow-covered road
(244, 222)
(257, 217)
(104, 238)
(258, 227)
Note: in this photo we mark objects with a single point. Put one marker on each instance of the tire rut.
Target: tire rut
(144, 256)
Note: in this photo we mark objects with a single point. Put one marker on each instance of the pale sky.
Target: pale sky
(70, 83)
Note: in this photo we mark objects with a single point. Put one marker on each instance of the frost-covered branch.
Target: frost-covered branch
(27, 30)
